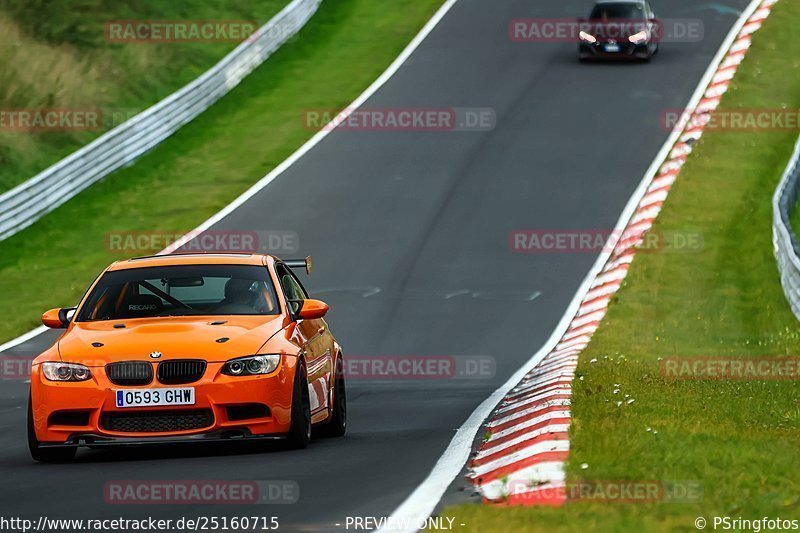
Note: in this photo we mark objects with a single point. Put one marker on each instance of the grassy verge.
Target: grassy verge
(56, 56)
(344, 47)
(739, 439)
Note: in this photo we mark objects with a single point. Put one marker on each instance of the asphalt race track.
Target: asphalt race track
(410, 237)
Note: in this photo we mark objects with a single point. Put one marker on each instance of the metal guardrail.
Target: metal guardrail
(787, 250)
(26, 203)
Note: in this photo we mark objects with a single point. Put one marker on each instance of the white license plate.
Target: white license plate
(154, 397)
(612, 48)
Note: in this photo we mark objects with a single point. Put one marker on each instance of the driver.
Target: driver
(238, 292)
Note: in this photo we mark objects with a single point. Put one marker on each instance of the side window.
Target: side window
(292, 288)
(299, 287)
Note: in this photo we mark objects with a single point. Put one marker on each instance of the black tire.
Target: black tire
(300, 430)
(46, 455)
(337, 425)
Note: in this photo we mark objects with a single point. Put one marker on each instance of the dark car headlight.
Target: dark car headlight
(251, 366)
(639, 38)
(66, 372)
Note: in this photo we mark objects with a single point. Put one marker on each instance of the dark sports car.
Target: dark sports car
(619, 29)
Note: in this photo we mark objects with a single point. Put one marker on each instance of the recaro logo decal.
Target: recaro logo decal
(147, 307)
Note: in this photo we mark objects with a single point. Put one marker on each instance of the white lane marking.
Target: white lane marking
(456, 293)
(516, 296)
(422, 502)
(23, 338)
(366, 292)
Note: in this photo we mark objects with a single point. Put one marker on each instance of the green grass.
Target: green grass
(55, 55)
(740, 439)
(209, 162)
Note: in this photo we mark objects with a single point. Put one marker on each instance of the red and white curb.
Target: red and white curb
(521, 460)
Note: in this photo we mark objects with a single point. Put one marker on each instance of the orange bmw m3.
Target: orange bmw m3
(187, 348)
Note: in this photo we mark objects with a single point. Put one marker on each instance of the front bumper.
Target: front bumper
(627, 50)
(79, 413)
(92, 440)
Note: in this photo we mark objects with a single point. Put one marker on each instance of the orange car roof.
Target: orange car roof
(191, 259)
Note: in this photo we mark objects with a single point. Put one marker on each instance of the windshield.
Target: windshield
(628, 11)
(181, 291)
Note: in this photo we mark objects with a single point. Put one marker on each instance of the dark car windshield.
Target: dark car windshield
(612, 11)
(181, 291)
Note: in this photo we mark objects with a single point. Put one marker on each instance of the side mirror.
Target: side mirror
(311, 309)
(656, 28)
(58, 318)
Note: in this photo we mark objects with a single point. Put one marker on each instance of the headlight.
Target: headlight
(252, 366)
(637, 38)
(586, 37)
(66, 372)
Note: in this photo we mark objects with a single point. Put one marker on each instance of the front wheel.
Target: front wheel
(337, 425)
(300, 429)
(46, 455)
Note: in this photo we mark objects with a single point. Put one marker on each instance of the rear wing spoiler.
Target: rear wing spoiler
(299, 263)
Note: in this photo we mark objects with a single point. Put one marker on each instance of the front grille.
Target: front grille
(130, 373)
(180, 371)
(158, 421)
